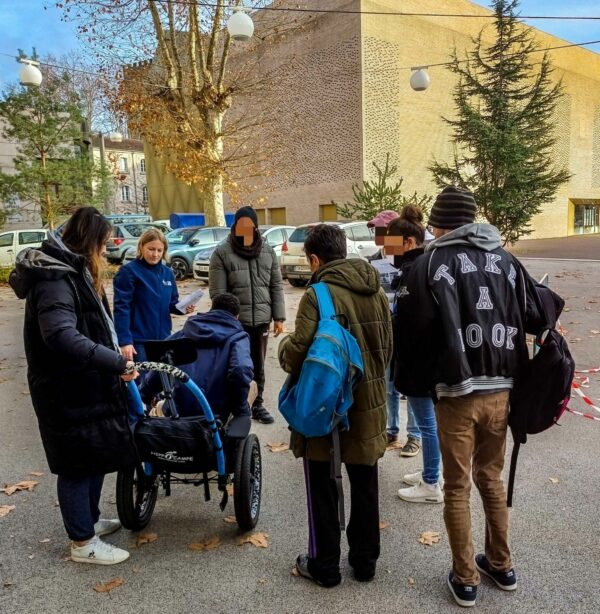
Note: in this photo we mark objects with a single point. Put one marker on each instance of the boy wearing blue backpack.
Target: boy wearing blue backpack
(361, 306)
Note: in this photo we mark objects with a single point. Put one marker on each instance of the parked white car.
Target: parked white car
(14, 241)
(359, 237)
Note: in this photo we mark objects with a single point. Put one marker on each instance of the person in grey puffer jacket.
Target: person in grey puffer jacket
(247, 267)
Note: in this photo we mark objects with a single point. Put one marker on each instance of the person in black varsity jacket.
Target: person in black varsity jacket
(463, 312)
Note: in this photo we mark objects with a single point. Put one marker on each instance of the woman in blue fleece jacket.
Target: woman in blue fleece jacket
(145, 297)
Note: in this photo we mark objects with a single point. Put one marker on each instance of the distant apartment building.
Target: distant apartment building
(342, 101)
(126, 162)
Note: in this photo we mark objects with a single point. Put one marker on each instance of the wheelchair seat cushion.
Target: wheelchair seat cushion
(180, 446)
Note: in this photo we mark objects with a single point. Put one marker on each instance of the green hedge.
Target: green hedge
(4, 273)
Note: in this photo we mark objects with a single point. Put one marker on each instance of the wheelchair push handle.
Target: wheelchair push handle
(158, 366)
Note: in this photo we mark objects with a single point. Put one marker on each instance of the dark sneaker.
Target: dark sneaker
(392, 439)
(411, 448)
(364, 575)
(464, 594)
(262, 415)
(506, 580)
(302, 568)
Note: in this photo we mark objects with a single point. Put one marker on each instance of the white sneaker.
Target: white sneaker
(106, 527)
(413, 478)
(98, 552)
(422, 493)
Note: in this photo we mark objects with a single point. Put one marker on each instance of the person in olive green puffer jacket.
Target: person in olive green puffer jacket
(247, 267)
(361, 306)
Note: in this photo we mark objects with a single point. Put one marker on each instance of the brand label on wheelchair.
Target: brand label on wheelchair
(172, 457)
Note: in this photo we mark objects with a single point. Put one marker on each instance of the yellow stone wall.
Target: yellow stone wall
(408, 124)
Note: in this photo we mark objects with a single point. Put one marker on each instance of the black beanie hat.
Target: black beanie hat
(452, 209)
(246, 212)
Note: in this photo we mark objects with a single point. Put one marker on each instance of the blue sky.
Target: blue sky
(25, 24)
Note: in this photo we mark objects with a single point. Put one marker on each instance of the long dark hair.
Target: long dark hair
(409, 224)
(85, 234)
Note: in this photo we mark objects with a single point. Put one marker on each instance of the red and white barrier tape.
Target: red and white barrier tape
(578, 413)
(584, 383)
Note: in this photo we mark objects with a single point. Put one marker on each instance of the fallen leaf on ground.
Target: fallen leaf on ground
(278, 447)
(262, 581)
(31, 556)
(592, 301)
(411, 581)
(210, 544)
(230, 490)
(9, 489)
(595, 332)
(428, 538)
(7, 584)
(45, 541)
(256, 539)
(5, 510)
(229, 519)
(37, 474)
(109, 586)
(383, 525)
(135, 570)
(26, 392)
(295, 572)
(554, 480)
(144, 538)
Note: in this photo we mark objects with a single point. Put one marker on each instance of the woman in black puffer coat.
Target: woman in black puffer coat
(75, 375)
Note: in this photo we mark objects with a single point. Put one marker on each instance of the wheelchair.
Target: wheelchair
(195, 450)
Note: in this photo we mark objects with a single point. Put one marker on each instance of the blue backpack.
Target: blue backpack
(319, 400)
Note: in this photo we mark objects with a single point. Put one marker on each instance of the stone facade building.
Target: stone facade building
(341, 100)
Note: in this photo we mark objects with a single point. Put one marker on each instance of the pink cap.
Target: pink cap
(381, 220)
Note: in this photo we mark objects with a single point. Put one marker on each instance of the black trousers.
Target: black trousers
(323, 523)
(259, 337)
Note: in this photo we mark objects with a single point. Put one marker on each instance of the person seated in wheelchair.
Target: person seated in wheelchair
(222, 367)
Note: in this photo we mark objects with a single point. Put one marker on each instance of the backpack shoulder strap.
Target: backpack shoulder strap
(326, 308)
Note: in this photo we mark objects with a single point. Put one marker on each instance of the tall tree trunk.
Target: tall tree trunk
(213, 207)
(46, 205)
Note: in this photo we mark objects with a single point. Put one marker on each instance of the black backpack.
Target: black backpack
(540, 394)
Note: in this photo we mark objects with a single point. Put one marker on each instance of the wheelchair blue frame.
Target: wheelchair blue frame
(136, 408)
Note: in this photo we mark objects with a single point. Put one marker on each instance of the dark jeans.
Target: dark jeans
(140, 348)
(323, 524)
(79, 499)
(259, 337)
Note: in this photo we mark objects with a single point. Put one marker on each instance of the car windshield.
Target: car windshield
(299, 235)
(181, 235)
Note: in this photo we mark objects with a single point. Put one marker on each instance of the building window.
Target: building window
(143, 165)
(587, 219)
(125, 196)
(145, 194)
(123, 166)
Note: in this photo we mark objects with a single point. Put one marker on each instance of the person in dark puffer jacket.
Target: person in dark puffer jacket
(75, 374)
(246, 266)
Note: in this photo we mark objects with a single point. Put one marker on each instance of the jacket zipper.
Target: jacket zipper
(251, 292)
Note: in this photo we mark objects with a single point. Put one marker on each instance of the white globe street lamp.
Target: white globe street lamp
(30, 75)
(420, 80)
(240, 25)
(115, 137)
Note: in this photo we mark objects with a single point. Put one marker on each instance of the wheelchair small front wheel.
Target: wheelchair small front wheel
(247, 483)
(136, 497)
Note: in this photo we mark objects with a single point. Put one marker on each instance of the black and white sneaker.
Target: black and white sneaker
(464, 594)
(506, 580)
(302, 569)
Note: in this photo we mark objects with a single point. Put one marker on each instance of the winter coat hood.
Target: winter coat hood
(50, 262)
(355, 275)
(481, 236)
(213, 328)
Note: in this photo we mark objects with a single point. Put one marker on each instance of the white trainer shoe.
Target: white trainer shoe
(422, 493)
(98, 552)
(106, 527)
(413, 479)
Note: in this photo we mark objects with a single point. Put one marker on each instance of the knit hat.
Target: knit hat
(381, 220)
(246, 212)
(452, 209)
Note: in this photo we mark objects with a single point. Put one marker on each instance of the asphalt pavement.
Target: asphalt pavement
(554, 522)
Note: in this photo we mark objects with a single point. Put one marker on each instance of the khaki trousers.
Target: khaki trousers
(472, 431)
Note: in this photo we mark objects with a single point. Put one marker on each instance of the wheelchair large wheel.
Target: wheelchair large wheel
(136, 497)
(247, 483)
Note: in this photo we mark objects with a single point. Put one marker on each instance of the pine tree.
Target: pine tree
(375, 196)
(53, 168)
(504, 134)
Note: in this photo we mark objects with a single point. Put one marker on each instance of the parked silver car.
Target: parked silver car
(275, 236)
(359, 238)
